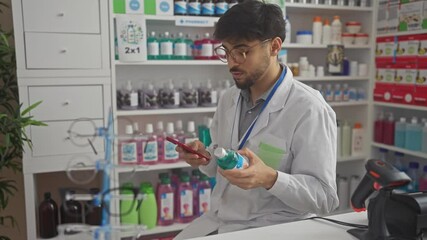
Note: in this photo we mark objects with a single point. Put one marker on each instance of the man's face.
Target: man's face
(257, 59)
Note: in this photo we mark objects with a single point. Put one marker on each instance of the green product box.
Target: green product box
(150, 7)
(119, 6)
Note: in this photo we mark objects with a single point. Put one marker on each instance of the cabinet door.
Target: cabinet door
(61, 16)
(63, 51)
(67, 102)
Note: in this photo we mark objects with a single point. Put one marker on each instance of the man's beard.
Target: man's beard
(250, 80)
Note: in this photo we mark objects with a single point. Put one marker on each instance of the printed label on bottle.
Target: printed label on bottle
(241, 162)
(186, 208)
(338, 96)
(189, 140)
(204, 200)
(129, 153)
(207, 50)
(149, 151)
(194, 8)
(346, 95)
(214, 97)
(176, 98)
(180, 7)
(221, 8)
(190, 49)
(329, 96)
(180, 49)
(170, 152)
(134, 99)
(166, 48)
(208, 9)
(153, 49)
(166, 206)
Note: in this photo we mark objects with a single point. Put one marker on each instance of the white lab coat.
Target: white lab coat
(298, 121)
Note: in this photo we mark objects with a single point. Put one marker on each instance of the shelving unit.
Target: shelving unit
(402, 150)
(400, 106)
(320, 46)
(174, 62)
(401, 33)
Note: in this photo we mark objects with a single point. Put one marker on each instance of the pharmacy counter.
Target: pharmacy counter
(306, 229)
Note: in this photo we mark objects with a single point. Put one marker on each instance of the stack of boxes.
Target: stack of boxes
(147, 7)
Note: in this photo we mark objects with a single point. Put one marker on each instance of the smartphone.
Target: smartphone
(186, 148)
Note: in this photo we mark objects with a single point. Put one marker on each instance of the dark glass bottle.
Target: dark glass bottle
(71, 211)
(94, 212)
(48, 217)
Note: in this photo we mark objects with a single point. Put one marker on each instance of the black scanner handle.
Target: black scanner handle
(363, 190)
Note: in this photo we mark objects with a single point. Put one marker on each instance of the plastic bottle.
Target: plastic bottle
(398, 162)
(346, 140)
(413, 174)
(221, 6)
(93, 215)
(194, 182)
(197, 47)
(194, 8)
(345, 93)
(423, 180)
(150, 148)
(179, 131)
(208, 8)
(288, 28)
(160, 134)
(357, 140)
(206, 49)
(343, 192)
(166, 47)
(388, 137)
(326, 32)
(317, 30)
(226, 85)
(189, 96)
(180, 47)
(383, 154)
(185, 199)
(153, 47)
(204, 195)
(149, 97)
(424, 145)
(339, 138)
(190, 135)
(148, 209)
(229, 159)
(71, 211)
(336, 30)
(320, 89)
(127, 205)
(208, 96)
(338, 96)
(346, 67)
(165, 201)
(130, 97)
(379, 126)
(180, 7)
(400, 133)
(204, 132)
(190, 46)
(413, 135)
(329, 94)
(304, 66)
(169, 96)
(48, 217)
(129, 152)
(232, 3)
(171, 155)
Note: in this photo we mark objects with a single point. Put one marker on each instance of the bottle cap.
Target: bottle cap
(149, 128)
(180, 34)
(135, 127)
(153, 34)
(178, 124)
(425, 168)
(129, 129)
(326, 22)
(414, 120)
(184, 177)
(166, 34)
(203, 177)
(129, 86)
(195, 172)
(160, 125)
(150, 87)
(191, 126)
(403, 120)
(358, 125)
(399, 154)
(220, 152)
(317, 19)
(383, 150)
(209, 84)
(170, 128)
(415, 165)
(207, 35)
(126, 188)
(165, 180)
(146, 188)
(336, 17)
(47, 195)
(390, 117)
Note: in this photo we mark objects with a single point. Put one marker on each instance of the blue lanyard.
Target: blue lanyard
(270, 95)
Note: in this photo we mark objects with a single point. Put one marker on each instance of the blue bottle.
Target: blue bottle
(398, 162)
(413, 174)
(399, 133)
(383, 154)
(413, 135)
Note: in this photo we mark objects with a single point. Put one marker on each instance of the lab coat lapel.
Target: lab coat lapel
(233, 116)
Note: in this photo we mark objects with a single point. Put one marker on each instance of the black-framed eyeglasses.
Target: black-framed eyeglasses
(238, 54)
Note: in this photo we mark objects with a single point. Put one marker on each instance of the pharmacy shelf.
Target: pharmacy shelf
(351, 158)
(402, 150)
(331, 78)
(424, 31)
(348, 104)
(160, 229)
(157, 167)
(173, 62)
(320, 46)
(402, 106)
(174, 18)
(166, 111)
(307, 8)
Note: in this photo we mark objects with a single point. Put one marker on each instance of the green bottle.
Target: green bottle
(153, 47)
(126, 204)
(148, 209)
(190, 46)
(229, 159)
(180, 47)
(166, 47)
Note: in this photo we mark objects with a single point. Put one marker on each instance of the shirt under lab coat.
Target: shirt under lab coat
(299, 129)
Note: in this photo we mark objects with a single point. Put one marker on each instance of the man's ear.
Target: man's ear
(276, 46)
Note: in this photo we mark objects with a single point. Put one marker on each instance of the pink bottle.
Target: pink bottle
(185, 200)
(388, 135)
(379, 129)
(150, 148)
(204, 196)
(194, 182)
(423, 180)
(165, 201)
(206, 51)
(160, 134)
(180, 135)
(170, 154)
(129, 150)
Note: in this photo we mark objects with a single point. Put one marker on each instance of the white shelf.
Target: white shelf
(332, 78)
(321, 46)
(348, 104)
(351, 158)
(173, 18)
(322, 8)
(166, 111)
(161, 166)
(402, 106)
(424, 31)
(402, 150)
(173, 62)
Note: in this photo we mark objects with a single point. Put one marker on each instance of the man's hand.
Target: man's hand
(256, 175)
(193, 159)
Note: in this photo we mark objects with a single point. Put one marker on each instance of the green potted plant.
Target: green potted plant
(13, 121)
